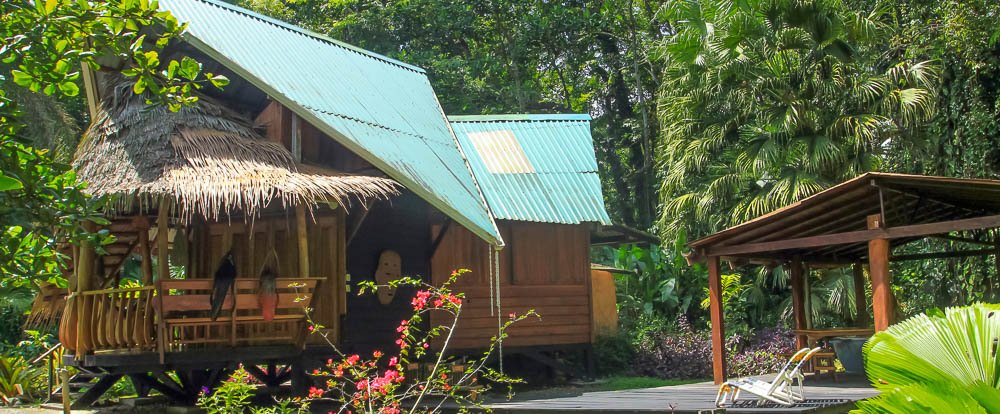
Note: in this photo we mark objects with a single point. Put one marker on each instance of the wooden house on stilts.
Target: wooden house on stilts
(315, 165)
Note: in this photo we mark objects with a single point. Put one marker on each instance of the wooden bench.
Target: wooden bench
(183, 308)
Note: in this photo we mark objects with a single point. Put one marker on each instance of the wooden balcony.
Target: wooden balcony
(172, 317)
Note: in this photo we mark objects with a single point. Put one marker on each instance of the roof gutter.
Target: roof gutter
(308, 116)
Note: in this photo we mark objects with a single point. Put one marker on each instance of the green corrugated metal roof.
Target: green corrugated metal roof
(534, 167)
(380, 108)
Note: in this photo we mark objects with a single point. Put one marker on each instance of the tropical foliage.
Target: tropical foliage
(15, 376)
(44, 45)
(662, 282)
(765, 102)
(937, 362)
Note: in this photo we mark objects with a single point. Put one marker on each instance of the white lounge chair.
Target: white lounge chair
(786, 388)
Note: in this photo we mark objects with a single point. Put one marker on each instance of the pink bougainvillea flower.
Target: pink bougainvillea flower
(315, 392)
(419, 302)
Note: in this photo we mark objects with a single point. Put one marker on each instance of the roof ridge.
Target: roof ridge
(520, 117)
(318, 36)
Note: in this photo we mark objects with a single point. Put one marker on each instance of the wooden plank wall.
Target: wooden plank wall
(545, 267)
(402, 225)
(252, 244)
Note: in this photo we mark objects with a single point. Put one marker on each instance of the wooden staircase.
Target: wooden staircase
(110, 265)
(86, 387)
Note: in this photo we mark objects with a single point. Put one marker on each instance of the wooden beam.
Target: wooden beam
(860, 299)
(860, 236)
(162, 239)
(301, 232)
(142, 232)
(356, 226)
(798, 300)
(440, 237)
(718, 324)
(296, 144)
(878, 267)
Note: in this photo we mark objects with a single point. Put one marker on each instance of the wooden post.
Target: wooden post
(878, 267)
(84, 282)
(64, 386)
(798, 300)
(296, 144)
(141, 224)
(718, 324)
(860, 299)
(162, 239)
(303, 237)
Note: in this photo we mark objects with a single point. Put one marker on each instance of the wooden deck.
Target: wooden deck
(824, 396)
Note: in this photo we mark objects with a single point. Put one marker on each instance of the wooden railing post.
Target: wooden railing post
(84, 282)
(162, 239)
(302, 234)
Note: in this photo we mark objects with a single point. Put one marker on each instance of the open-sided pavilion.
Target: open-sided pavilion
(856, 223)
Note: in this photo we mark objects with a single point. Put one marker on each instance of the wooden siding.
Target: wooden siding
(252, 244)
(545, 267)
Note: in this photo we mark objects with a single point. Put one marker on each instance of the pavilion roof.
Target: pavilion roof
(833, 225)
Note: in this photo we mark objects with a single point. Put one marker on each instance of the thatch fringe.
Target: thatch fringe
(208, 159)
(47, 307)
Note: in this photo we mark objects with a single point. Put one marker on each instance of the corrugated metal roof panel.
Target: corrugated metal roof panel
(562, 185)
(380, 108)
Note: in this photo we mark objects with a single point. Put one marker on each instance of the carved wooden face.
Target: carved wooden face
(389, 269)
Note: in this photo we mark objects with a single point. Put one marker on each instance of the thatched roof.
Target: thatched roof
(207, 158)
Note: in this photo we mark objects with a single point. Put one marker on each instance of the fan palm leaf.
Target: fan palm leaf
(933, 358)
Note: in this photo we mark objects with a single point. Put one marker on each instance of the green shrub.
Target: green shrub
(232, 397)
(613, 354)
(16, 377)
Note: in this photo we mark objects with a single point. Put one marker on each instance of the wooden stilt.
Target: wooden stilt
(718, 324)
(798, 300)
(878, 267)
(94, 393)
(162, 239)
(860, 299)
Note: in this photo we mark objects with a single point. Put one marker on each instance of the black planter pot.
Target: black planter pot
(849, 353)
